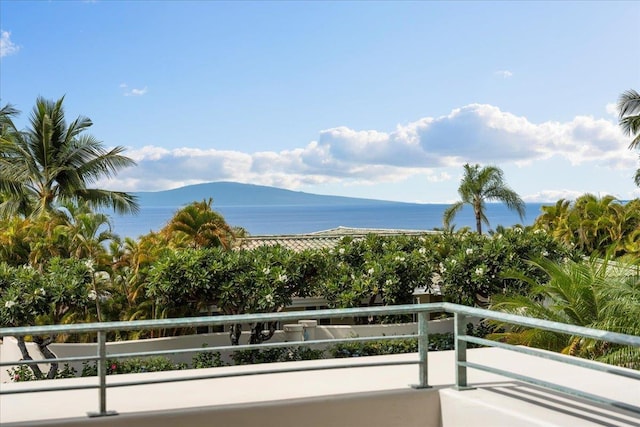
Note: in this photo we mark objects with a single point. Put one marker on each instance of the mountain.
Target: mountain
(237, 194)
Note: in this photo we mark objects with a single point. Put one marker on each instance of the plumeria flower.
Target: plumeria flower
(92, 295)
(9, 304)
(341, 251)
(479, 271)
(266, 270)
(282, 278)
(469, 251)
(269, 299)
(370, 271)
(422, 251)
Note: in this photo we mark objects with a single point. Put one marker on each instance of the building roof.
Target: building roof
(324, 239)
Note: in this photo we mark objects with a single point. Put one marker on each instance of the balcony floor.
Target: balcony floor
(499, 400)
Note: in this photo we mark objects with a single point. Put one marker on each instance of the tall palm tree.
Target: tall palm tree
(629, 120)
(478, 186)
(629, 114)
(52, 162)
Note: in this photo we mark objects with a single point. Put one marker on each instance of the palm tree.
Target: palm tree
(479, 185)
(595, 293)
(629, 114)
(52, 162)
(197, 225)
(629, 120)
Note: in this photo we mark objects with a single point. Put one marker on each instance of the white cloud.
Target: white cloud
(7, 47)
(431, 148)
(547, 195)
(504, 74)
(612, 109)
(132, 91)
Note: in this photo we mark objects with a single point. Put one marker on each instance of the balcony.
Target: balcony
(485, 386)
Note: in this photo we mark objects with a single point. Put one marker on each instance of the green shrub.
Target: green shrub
(206, 359)
(23, 373)
(271, 355)
(134, 365)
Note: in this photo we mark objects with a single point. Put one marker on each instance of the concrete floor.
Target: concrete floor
(495, 401)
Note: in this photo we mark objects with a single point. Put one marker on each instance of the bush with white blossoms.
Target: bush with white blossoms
(473, 267)
(30, 297)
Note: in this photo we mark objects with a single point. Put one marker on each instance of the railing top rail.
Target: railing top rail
(548, 325)
(407, 309)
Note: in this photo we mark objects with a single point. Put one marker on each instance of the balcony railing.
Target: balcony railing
(461, 314)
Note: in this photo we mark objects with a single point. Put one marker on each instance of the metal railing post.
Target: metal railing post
(423, 350)
(460, 351)
(101, 365)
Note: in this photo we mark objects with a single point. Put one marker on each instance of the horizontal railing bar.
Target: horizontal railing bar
(553, 356)
(553, 386)
(193, 322)
(45, 361)
(258, 346)
(43, 389)
(548, 325)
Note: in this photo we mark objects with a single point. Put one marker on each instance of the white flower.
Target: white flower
(545, 253)
(92, 295)
(388, 282)
(469, 251)
(479, 271)
(341, 251)
(422, 251)
(41, 291)
(331, 251)
(518, 230)
(102, 275)
(399, 258)
(269, 299)
(442, 269)
(499, 236)
(282, 278)
(266, 270)
(370, 271)
(89, 263)
(9, 304)
(538, 231)
(454, 262)
(422, 239)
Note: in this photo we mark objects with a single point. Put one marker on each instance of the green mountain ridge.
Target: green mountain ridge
(226, 193)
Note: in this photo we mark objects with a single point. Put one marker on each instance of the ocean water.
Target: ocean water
(265, 220)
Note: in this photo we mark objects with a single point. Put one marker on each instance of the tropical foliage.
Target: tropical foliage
(597, 293)
(478, 186)
(197, 225)
(263, 280)
(53, 162)
(60, 294)
(593, 225)
(629, 115)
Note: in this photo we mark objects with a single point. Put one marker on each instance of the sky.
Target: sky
(383, 100)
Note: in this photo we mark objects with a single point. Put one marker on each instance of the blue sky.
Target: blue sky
(384, 100)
